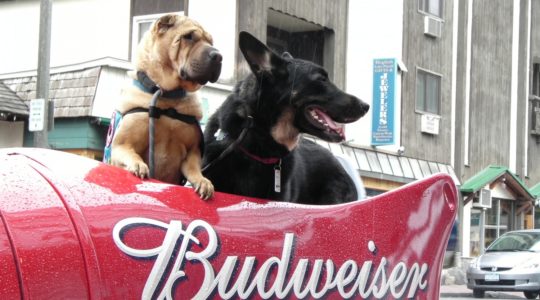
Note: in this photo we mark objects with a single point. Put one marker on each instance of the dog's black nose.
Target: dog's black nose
(215, 56)
(365, 107)
(356, 110)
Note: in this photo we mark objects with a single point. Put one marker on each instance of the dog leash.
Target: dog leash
(269, 161)
(151, 131)
(155, 112)
(247, 125)
(276, 162)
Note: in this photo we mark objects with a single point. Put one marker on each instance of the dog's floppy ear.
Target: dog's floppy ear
(164, 23)
(259, 57)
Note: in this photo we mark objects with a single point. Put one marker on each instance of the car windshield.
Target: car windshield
(516, 241)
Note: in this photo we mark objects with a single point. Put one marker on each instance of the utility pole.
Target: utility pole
(41, 138)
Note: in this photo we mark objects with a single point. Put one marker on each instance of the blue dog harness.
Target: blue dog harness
(116, 118)
(153, 112)
(144, 83)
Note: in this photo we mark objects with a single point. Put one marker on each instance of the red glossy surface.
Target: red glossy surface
(60, 212)
(9, 281)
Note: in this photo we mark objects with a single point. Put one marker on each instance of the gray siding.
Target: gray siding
(435, 55)
(490, 95)
(533, 145)
(491, 78)
(145, 7)
(490, 86)
(252, 17)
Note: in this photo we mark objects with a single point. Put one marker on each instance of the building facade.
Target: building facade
(454, 85)
(465, 98)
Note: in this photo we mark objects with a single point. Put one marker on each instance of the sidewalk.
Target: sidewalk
(454, 291)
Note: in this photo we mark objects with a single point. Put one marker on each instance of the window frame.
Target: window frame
(424, 109)
(535, 78)
(423, 7)
(135, 32)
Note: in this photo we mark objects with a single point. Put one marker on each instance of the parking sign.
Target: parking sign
(37, 115)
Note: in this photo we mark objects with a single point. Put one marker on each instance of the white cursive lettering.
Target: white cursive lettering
(348, 280)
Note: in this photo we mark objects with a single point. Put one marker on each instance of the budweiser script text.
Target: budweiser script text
(351, 279)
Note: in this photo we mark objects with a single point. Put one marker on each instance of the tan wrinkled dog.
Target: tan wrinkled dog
(176, 55)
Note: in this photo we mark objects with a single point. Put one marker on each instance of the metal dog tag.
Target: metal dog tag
(277, 177)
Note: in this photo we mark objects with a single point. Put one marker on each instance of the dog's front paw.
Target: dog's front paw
(139, 169)
(204, 188)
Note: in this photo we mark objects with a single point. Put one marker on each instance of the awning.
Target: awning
(79, 90)
(72, 92)
(535, 191)
(492, 174)
(387, 166)
(11, 103)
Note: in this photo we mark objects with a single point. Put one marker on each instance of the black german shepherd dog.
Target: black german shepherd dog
(253, 141)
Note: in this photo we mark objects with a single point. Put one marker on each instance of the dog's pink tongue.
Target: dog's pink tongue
(337, 127)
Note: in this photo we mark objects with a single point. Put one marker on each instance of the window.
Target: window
(499, 219)
(300, 38)
(428, 92)
(431, 7)
(535, 87)
(141, 24)
(535, 100)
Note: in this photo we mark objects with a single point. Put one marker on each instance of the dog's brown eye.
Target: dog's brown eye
(322, 78)
(188, 37)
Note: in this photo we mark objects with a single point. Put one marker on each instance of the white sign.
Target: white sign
(36, 119)
(430, 124)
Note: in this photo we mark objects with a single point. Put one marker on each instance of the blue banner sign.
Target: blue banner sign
(384, 78)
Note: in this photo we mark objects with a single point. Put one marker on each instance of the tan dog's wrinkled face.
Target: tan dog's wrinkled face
(182, 47)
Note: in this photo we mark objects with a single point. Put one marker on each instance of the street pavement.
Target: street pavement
(457, 292)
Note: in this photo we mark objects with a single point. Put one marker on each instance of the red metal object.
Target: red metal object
(76, 228)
